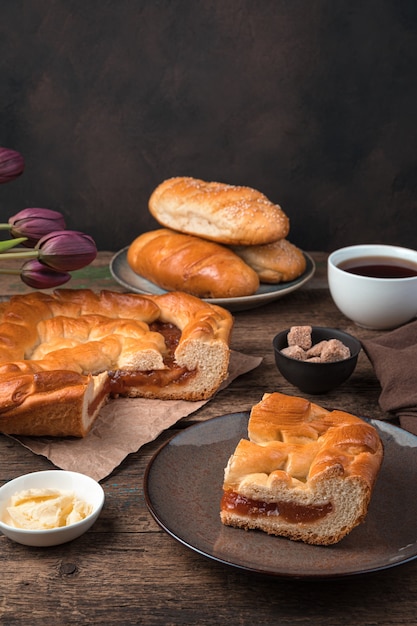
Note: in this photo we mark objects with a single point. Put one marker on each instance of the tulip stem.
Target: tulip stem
(14, 272)
(5, 226)
(27, 254)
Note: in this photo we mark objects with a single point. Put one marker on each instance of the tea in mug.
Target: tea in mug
(380, 267)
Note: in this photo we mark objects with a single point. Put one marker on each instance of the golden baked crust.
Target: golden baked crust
(276, 262)
(62, 355)
(203, 268)
(228, 214)
(305, 473)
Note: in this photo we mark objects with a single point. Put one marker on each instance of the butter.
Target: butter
(42, 509)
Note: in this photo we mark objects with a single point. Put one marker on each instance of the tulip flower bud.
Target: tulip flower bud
(34, 223)
(66, 250)
(39, 276)
(12, 165)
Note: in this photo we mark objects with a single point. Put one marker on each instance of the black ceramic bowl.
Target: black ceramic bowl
(317, 377)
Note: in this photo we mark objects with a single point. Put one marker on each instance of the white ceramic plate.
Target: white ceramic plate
(183, 488)
(126, 277)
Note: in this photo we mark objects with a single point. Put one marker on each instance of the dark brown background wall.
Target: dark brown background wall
(312, 102)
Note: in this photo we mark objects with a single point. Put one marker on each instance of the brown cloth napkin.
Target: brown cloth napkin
(394, 358)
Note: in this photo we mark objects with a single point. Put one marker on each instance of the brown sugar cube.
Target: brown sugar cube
(335, 350)
(294, 352)
(314, 359)
(300, 336)
(316, 349)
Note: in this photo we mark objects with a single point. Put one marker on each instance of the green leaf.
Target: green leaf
(11, 243)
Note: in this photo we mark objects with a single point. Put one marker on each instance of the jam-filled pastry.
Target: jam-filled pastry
(62, 355)
(304, 473)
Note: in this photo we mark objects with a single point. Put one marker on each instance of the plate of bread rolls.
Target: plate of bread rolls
(223, 243)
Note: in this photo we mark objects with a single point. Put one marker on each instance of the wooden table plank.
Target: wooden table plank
(126, 570)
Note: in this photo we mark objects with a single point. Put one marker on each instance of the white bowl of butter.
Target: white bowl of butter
(49, 508)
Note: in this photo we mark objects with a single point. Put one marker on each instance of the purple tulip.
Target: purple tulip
(12, 165)
(34, 223)
(39, 276)
(66, 250)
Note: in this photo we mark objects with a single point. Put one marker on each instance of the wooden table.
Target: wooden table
(126, 570)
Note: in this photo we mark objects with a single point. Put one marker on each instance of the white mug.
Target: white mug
(369, 301)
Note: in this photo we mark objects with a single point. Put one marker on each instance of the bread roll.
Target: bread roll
(224, 213)
(276, 262)
(305, 473)
(182, 262)
(63, 355)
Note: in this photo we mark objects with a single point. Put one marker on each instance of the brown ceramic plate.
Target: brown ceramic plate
(126, 277)
(183, 487)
